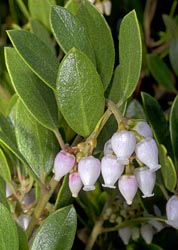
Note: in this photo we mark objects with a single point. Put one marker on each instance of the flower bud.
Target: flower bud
(23, 220)
(108, 148)
(147, 233)
(63, 163)
(111, 170)
(123, 144)
(147, 152)
(172, 211)
(128, 187)
(8, 190)
(107, 7)
(100, 7)
(89, 171)
(125, 234)
(157, 225)
(143, 129)
(146, 180)
(75, 184)
(135, 233)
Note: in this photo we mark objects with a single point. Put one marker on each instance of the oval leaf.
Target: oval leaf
(36, 54)
(173, 54)
(101, 39)
(174, 128)
(80, 92)
(37, 97)
(130, 55)
(157, 120)
(160, 71)
(4, 167)
(57, 231)
(37, 144)
(167, 169)
(70, 32)
(8, 230)
(23, 242)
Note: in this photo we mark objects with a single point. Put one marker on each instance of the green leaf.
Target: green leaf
(70, 32)
(37, 144)
(4, 167)
(3, 200)
(173, 54)
(43, 34)
(79, 92)
(171, 26)
(157, 120)
(130, 55)
(167, 169)
(58, 231)
(36, 54)
(40, 10)
(64, 197)
(7, 137)
(160, 71)
(8, 230)
(174, 127)
(23, 242)
(37, 97)
(101, 39)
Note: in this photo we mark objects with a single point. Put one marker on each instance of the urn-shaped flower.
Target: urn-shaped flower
(123, 144)
(128, 187)
(111, 170)
(143, 129)
(147, 233)
(75, 184)
(172, 211)
(146, 180)
(125, 234)
(147, 152)
(108, 148)
(63, 163)
(89, 171)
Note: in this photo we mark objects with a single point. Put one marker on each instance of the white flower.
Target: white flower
(147, 233)
(146, 180)
(23, 220)
(123, 144)
(143, 129)
(147, 152)
(107, 7)
(108, 148)
(172, 211)
(89, 171)
(75, 184)
(128, 187)
(63, 163)
(111, 170)
(125, 234)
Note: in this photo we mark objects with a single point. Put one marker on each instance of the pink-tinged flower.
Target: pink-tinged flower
(108, 148)
(143, 129)
(75, 184)
(111, 170)
(63, 163)
(172, 211)
(147, 233)
(146, 180)
(89, 171)
(123, 144)
(147, 152)
(125, 234)
(107, 7)
(128, 187)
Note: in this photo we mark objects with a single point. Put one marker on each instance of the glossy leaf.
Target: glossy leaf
(36, 143)
(23, 242)
(57, 231)
(101, 39)
(174, 127)
(167, 169)
(40, 10)
(8, 230)
(3, 200)
(37, 97)
(79, 92)
(36, 54)
(173, 54)
(70, 32)
(157, 120)
(4, 167)
(7, 137)
(64, 197)
(160, 71)
(130, 55)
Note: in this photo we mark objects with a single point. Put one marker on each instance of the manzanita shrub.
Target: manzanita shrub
(80, 159)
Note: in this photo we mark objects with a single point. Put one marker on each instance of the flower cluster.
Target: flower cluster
(116, 164)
